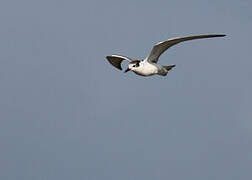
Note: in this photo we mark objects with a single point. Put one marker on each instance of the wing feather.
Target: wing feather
(116, 60)
(161, 47)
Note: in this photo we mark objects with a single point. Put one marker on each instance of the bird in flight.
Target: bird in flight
(149, 66)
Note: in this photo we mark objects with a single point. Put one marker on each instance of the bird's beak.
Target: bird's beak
(128, 69)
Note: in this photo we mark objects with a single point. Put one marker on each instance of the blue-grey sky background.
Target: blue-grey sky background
(66, 113)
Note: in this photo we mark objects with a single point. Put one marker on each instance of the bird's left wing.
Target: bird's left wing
(161, 47)
(116, 60)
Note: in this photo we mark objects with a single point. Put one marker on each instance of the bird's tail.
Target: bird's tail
(168, 68)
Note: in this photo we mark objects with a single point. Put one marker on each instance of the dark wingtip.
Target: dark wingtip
(107, 57)
(214, 35)
(219, 35)
(115, 64)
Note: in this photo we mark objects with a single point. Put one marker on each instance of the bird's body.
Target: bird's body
(149, 66)
(148, 69)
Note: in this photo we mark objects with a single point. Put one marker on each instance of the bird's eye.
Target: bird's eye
(134, 65)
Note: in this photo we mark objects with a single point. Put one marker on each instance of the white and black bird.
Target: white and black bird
(149, 66)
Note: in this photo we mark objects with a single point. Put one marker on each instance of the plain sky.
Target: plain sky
(66, 113)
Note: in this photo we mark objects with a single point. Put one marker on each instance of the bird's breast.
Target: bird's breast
(146, 69)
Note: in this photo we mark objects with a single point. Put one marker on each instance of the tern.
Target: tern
(149, 66)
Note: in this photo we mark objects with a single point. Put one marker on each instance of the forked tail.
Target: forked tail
(168, 68)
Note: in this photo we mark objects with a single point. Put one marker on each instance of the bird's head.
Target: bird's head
(133, 65)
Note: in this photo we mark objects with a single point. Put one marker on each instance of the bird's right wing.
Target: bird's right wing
(161, 47)
(116, 60)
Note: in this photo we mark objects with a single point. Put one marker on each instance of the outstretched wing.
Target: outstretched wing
(161, 47)
(116, 60)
